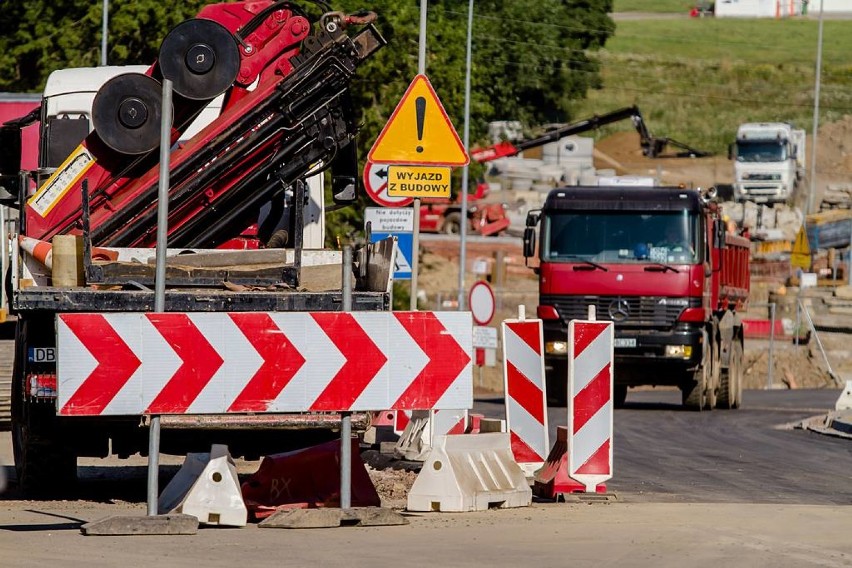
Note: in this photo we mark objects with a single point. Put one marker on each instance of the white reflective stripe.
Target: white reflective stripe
(527, 427)
(595, 357)
(73, 364)
(591, 436)
(524, 358)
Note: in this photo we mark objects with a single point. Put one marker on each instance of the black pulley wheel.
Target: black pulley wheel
(127, 111)
(201, 58)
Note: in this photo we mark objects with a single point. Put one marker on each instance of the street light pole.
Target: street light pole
(104, 32)
(464, 187)
(812, 195)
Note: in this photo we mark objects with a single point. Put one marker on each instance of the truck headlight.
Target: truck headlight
(556, 347)
(679, 351)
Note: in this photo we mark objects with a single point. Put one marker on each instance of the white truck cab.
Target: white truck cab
(769, 161)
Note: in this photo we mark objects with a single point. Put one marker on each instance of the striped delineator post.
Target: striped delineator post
(526, 402)
(590, 356)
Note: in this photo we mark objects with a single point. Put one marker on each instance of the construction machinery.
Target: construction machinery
(282, 76)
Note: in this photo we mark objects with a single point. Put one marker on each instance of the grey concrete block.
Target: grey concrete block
(142, 525)
(329, 518)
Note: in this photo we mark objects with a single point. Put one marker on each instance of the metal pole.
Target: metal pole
(345, 417)
(415, 245)
(464, 187)
(160, 281)
(771, 343)
(812, 195)
(104, 32)
(415, 254)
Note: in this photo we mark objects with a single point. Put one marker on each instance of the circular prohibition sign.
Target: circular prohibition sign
(376, 184)
(480, 300)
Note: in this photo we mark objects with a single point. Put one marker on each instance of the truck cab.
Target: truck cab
(768, 162)
(647, 259)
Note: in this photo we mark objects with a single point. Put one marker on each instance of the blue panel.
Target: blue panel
(405, 246)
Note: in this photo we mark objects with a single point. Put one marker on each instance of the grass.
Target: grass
(695, 80)
(661, 6)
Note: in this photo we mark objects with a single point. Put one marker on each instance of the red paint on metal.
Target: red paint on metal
(116, 364)
(281, 361)
(585, 334)
(525, 393)
(446, 359)
(363, 361)
(592, 398)
(200, 361)
(598, 463)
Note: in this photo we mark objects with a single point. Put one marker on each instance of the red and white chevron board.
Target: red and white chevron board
(526, 404)
(211, 363)
(590, 356)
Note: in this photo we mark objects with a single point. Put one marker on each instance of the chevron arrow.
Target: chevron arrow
(363, 360)
(116, 364)
(446, 360)
(281, 361)
(200, 361)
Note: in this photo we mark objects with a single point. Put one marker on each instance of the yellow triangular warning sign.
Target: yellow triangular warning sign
(419, 132)
(801, 254)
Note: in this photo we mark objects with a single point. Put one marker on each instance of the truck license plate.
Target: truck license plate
(624, 342)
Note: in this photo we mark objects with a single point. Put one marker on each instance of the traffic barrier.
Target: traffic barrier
(526, 400)
(423, 427)
(306, 478)
(552, 480)
(206, 487)
(474, 423)
(470, 473)
(381, 428)
(590, 355)
(844, 401)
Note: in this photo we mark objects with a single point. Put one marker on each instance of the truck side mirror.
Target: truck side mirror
(731, 152)
(529, 242)
(344, 175)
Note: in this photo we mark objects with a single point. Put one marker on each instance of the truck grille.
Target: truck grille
(646, 312)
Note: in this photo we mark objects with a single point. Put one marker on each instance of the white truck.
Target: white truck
(769, 162)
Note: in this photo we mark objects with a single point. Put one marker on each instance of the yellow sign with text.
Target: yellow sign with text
(419, 132)
(418, 181)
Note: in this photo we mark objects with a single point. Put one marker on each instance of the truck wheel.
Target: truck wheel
(557, 384)
(696, 390)
(728, 383)
(736, 371)
(619, 395)
(452, 224)
(45, 468)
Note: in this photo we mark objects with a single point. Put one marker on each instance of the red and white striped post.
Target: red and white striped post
(526, 403)
(590, 406)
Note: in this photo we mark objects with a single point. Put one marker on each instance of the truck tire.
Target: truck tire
(452, 224)
(45, 467)
(557, 384)
(619, 395)
(695, 389)
(731, 386)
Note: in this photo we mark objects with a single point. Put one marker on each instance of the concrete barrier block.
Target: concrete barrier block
(470, 473)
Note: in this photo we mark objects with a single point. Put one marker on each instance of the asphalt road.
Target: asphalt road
(721, 488)
(663, 453)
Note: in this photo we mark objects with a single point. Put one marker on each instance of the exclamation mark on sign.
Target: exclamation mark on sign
(420, 108)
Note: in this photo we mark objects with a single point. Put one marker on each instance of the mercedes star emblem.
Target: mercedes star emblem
(619, 310)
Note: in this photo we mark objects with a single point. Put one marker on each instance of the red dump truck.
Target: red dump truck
(659, 264)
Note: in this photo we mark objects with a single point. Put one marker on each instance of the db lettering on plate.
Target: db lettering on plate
(42, 355)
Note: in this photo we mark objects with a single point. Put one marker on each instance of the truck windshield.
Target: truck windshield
(620, 237)
(761, 151)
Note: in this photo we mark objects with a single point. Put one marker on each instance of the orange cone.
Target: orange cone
(42, 251)
(39, 250)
